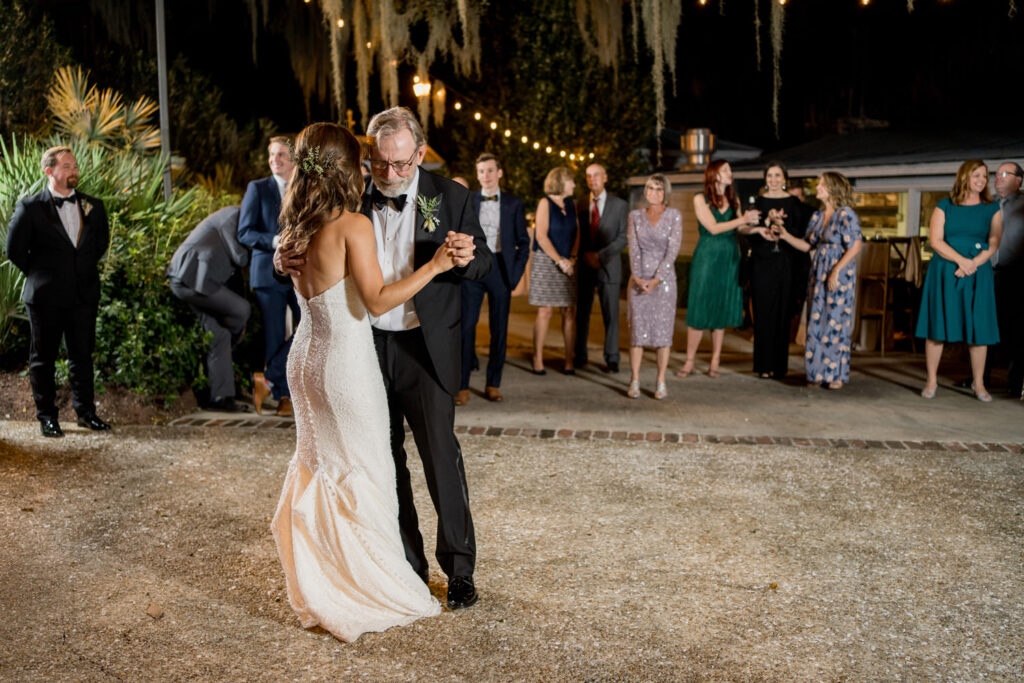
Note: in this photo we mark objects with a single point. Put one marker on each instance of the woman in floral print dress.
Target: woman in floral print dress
(834, 234)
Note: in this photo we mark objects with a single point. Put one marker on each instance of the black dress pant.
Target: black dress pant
(1009, 285)
(76, 325)
(415, 394)
(770, 284)
(608, 296)
(499, 303)
(223, 314)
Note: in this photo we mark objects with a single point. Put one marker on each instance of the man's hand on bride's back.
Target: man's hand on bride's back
(288, 261)
(462, 247)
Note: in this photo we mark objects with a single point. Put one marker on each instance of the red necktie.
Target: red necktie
(595, 218)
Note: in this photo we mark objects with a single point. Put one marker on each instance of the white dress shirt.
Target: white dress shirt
(70, 217)
(395, 233)
(490, 221)
(282, 183)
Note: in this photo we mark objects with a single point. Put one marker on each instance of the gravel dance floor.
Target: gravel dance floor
(145, 554)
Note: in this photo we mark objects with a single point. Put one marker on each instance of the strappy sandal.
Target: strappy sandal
(661, 392)
(686, 370)
(634, 389)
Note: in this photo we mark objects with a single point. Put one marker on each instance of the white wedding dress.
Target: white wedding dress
(336, 525)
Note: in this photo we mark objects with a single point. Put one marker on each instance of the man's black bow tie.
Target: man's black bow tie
(61, 201)
(379, 200)
(492, 198)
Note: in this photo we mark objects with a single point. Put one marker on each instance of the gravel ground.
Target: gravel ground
(597, 561)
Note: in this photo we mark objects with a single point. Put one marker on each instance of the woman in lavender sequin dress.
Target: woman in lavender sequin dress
(654, 234)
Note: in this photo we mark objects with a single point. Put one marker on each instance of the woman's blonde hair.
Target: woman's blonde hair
(327, 181)
(961, 186)
(840, 191)
(660, 180)
(556, 179)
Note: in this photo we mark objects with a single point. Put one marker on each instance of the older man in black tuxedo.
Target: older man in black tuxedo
(57, 237)
(418, 344)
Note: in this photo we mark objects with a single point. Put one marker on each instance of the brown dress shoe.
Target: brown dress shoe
(492, 394)
(260, 391)
(462, 398)
(284, 407)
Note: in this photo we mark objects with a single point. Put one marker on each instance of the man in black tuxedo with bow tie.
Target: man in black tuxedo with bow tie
(418, 344)
(504, 224)
(56, 238)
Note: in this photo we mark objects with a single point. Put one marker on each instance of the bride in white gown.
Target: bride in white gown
(336, 525)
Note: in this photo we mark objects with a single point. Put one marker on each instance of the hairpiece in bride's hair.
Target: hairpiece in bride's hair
(312, 163)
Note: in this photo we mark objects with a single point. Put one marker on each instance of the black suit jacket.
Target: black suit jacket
(57, 272)
(610, 239)
(439, 303)
(515, 241)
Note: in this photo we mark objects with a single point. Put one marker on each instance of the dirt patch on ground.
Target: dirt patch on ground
(145, 554)
(114, 404)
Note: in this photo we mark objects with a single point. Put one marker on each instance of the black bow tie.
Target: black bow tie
(489, 199)
(61, 201)
(380, 199)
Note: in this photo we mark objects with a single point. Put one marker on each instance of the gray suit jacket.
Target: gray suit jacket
(208, 257)
(610, 239)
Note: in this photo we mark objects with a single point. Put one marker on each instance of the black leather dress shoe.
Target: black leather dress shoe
(461, 592)
(612, 368)
(50, 428)
(93, 423)
(225, 404)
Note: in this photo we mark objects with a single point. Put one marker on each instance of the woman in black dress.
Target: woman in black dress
(773, 264)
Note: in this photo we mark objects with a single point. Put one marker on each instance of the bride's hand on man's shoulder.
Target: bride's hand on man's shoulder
(288, 261)
(462, 247)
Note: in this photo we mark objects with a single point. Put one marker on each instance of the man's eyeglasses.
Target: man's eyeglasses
(381, 165)
(1003, 174)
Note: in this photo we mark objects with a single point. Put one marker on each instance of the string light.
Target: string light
(547, 149)
(562, 153)
(368, 45)
(536, 145)
(458, 106)
(494, 126)
(525, 139)
(341, 23)
(476, 116)
(508, 133)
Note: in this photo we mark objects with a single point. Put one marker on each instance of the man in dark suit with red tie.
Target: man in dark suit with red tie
(56, 238)
(504, 224)
(602, 221)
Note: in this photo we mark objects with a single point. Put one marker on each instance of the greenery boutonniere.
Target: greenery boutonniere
(86, 207)
(428, 207)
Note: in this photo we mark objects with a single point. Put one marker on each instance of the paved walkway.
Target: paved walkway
(880, 408)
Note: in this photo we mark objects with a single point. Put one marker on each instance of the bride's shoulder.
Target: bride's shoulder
(349, 224)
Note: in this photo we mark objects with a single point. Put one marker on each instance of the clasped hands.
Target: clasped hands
(458, 245)
(967, 267)
(646, 286)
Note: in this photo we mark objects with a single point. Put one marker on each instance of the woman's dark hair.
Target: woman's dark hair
(710, 178)
(327, 181)
(775, 164)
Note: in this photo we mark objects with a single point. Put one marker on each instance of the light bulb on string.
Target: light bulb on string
(548, 150)
(536, 145)
(562, 154)
(341, 23)
(508, 133)
(476, 116)
(458, 106)
(525, 139)
(494, 126)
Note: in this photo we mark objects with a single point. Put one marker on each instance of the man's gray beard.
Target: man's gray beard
(394, 190)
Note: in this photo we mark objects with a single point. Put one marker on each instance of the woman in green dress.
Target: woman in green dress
(958, 302)
(715, 299)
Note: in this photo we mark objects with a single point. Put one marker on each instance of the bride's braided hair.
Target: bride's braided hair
(327, 181)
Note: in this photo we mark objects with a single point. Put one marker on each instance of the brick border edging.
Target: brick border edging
(658, 437)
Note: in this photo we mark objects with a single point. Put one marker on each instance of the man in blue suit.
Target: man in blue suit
(504, 225)
(257, 228)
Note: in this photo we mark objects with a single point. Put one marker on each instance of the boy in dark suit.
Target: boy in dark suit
(504, 224)
(57, 237)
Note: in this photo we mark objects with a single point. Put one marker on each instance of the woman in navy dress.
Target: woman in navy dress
(958, 301)
(834, 234)
(553, 267)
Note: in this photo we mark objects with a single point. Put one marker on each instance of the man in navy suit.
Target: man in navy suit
(57, 237)
(504, 225)
(257, 228)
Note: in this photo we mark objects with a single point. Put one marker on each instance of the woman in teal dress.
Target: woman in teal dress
(715, 299)
(958, 302)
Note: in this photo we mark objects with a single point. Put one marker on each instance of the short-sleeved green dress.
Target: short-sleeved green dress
(715, 300)
(961, 309)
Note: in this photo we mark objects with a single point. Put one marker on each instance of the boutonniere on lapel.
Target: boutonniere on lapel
(86, 207)
(428, 209)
